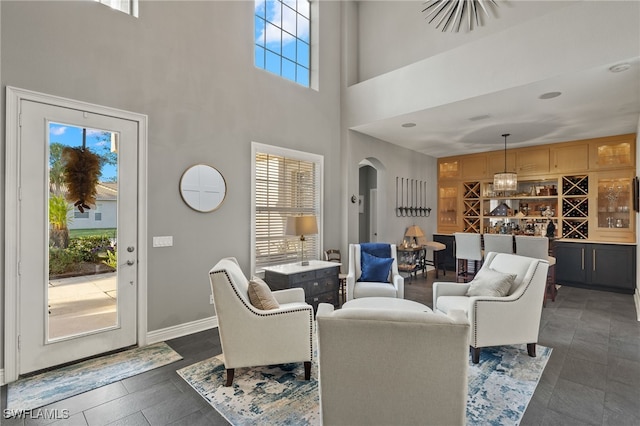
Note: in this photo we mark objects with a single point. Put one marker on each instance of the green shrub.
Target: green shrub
(89, 249)
(61, 261)
(112, 258)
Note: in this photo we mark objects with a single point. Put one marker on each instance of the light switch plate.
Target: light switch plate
(163, 241)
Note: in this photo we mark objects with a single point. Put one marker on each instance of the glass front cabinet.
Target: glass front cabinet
(448, 207)
(613, 217)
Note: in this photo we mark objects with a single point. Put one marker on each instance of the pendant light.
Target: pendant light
(505, 181)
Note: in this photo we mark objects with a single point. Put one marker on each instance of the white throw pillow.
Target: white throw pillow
(489, 282)
(260, 295)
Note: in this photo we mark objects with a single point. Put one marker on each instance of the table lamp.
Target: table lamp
(301, 226)
(414, 232)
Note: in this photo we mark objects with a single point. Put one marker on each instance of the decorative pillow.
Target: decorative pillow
(260, 295)
(489, 282)
(374, 269)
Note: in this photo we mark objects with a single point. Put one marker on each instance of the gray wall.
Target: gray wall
(390, 161)
(189, 67)
(379, 34)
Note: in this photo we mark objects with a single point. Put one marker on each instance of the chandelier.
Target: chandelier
(453, 13)
(505, 181)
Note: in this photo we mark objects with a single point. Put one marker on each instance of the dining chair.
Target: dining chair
(468, 248)
(333, 255)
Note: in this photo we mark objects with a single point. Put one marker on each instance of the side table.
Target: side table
(319, 280)
(411, 260)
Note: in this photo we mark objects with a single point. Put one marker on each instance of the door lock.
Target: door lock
(130, 249)
(130, 262)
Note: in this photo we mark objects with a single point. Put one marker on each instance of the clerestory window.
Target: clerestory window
(282, 40)
(129, 7)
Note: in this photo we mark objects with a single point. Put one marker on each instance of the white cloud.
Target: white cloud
(95, 132)
(288, 22)
(58, 130)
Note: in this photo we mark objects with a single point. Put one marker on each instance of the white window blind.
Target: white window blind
(285, 185)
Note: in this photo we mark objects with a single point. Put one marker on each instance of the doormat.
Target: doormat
(45, 388)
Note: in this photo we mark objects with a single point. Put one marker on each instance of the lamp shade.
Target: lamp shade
(301, 225)
(414, 231)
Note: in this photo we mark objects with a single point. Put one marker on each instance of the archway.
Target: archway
(371, 197)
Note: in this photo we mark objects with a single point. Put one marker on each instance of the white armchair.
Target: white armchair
(250, 336)
(392, 367)
(508, 320)
(357, 289)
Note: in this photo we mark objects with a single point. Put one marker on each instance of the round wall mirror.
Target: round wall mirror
(203, 188)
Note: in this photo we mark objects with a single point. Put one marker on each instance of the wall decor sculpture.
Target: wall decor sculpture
(412, 198)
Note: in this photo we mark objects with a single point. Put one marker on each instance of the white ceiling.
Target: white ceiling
(594, 102)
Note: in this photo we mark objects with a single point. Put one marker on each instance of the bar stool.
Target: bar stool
(333, 255)
(435, 262)
(498, 243)
(468, 247)
(538, 248)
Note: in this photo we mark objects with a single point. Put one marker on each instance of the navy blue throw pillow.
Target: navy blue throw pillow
(374, 269)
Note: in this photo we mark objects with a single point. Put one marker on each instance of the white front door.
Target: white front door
(69, 305)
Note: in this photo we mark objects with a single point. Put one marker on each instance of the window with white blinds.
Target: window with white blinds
(285, 183)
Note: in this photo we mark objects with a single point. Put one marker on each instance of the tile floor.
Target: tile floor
(592, 378)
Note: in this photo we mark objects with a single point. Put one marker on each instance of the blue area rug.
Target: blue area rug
(51, 386)
(500, 388)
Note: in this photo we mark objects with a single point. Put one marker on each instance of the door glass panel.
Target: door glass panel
(82, 249)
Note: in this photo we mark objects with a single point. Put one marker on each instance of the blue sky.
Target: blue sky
(97, 141)
(275, 27)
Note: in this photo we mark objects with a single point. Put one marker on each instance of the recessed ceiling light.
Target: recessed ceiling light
(409, 125)
(620, 67)
(550, 95)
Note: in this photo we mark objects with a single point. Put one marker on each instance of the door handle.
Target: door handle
(594, 260)
(130, 262)
(583, 259)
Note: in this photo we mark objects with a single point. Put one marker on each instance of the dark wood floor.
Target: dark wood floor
(592, 378)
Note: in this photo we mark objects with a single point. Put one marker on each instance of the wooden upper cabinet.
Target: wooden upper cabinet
(612, 152)
(495, 162)
(474, 167)
(532, 161)
(569, 159)
(448, 168)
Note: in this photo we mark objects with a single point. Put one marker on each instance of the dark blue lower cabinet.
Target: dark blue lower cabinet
(610, 267)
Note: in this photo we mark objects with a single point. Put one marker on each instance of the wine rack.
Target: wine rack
(471, 207)
(575, 207)
(575, 185)
(472, 190)
(575, 229)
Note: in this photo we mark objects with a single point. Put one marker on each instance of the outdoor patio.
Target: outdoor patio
(81, 304)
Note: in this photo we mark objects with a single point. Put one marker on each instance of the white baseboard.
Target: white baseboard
(181, 330)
